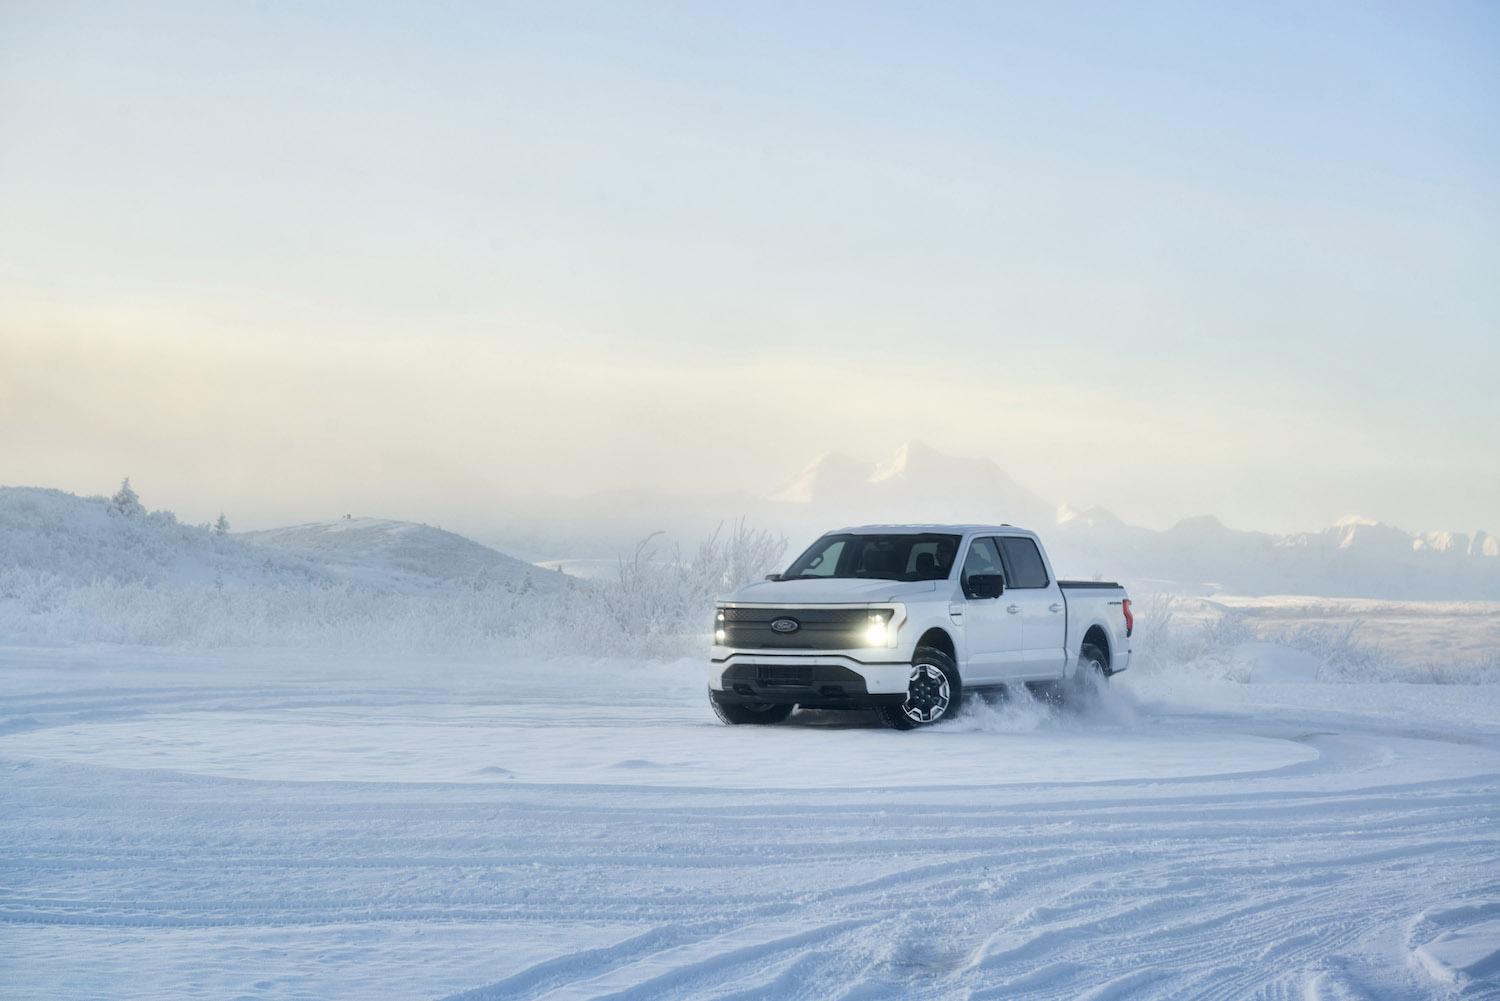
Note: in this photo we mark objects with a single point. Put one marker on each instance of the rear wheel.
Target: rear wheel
(1091, 674)
(933, 692)
(749, 712)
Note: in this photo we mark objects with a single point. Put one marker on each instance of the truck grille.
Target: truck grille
(778, 676)
(817, 628)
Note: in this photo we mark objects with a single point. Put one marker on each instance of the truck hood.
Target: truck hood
(830, 592)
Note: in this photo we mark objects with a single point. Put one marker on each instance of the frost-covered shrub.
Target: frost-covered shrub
(1166, 640)
(666, 598)
(1338, 651)
(1484, 671)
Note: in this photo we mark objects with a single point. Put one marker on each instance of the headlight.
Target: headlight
(878, 630)
(719, 626)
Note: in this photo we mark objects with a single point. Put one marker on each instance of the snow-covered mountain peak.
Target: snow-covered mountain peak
(1485, 544)
(1366, 533)
(917, 483)
(1480, 543)
(1093, 517)
(829, 471)
(1201, 526)
(911, 458)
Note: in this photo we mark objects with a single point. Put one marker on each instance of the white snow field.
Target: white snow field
(275, 824)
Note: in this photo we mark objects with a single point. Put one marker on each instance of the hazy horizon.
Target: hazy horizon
(512, 514)
(289, 262)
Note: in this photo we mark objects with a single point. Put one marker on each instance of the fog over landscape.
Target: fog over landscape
(410, 415)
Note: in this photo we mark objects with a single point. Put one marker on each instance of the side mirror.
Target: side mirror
(984, 585)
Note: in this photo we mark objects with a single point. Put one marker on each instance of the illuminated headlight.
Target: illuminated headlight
(719, 627)
(878, 631)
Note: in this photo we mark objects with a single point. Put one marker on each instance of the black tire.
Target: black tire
(934, 694)
(735, 713)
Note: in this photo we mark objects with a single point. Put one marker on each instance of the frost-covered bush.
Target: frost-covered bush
(658, 597)
(1482, 671)
(1167, 640)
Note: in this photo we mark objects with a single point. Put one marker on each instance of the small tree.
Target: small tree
(221, 527)
(126, 502)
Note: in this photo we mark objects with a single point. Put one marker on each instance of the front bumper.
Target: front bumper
(821, 681)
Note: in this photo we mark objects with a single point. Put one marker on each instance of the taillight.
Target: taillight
(1129, 618)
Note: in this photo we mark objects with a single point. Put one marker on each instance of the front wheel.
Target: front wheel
(735, 713)
(933, 692)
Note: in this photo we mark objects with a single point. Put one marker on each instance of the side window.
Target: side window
(1025, 563)
(983, 558)
(826, 562)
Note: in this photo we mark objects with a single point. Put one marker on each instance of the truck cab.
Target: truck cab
(903, 619)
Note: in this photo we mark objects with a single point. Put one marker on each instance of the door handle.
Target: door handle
(1013, 609)
(1054, 607)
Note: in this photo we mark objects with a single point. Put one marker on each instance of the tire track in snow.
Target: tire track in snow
(1207, 886)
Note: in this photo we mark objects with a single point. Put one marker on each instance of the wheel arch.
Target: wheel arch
(939, 638)
(1098, 636)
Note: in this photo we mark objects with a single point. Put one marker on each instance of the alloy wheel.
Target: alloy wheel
(927, 694)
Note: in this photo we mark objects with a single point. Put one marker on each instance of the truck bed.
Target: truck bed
(1095, 584)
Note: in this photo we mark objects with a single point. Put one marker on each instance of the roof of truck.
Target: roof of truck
(930, 529)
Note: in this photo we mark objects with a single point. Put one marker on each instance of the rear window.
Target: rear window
(1024, 562)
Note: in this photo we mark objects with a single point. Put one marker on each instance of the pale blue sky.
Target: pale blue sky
(287, 257)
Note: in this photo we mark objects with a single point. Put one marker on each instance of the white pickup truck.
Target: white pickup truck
(903, 619)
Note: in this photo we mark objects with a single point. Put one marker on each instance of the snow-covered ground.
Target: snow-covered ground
(370, 759)
(277, 824)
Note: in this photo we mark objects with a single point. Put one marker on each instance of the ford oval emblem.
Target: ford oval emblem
(785, 625)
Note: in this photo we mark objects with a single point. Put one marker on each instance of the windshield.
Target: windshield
(877, 557)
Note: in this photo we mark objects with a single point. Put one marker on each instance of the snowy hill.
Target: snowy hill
(402, 554)
(82, 539)
(95, 570)
(79, 540)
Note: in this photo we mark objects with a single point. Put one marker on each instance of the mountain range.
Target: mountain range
(1355, 557)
